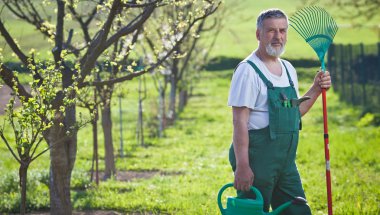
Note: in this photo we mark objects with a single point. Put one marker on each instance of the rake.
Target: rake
(318, 29)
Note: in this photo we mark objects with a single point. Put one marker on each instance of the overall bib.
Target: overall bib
(272, 150)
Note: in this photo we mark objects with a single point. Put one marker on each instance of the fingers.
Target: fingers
(324, 79)
(243, 184)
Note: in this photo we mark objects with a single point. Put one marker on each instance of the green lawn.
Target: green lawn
(184, 170)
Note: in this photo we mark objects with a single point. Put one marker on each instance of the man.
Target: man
(267, 114)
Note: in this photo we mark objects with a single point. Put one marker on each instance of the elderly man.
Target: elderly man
(267, 111)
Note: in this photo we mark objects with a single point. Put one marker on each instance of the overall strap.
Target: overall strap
(261, 75)
(287, 72)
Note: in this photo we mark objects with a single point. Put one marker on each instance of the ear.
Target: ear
(258, 34)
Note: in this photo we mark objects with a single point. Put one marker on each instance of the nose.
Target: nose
(277, 34)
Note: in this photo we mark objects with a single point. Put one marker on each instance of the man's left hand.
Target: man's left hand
(323, 80)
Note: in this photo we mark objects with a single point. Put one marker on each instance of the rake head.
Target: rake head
(317, 27)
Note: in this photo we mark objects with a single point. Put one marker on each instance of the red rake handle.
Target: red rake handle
(327, 153)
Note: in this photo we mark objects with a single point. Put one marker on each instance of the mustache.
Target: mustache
(282, 43)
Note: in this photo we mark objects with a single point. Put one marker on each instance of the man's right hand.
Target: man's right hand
(243, 178)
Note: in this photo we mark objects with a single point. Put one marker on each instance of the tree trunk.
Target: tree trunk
(162, 113)
(95, 152)
(173, 91)
(108, 143)
(140, 133)
(62, 158)
(182, 100)
(23, 173)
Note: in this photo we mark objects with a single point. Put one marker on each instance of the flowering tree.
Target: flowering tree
(32, 121)
(189, 56)
(75, 52)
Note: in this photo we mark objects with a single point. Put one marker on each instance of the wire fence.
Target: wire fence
(355, 70)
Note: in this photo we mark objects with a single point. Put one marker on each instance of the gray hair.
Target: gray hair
(267, 14)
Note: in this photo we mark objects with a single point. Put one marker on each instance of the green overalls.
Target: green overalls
(272, 150)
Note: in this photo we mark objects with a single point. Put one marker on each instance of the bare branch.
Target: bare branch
(10, 79)
(32, 18)
(134, 5)
(35, 148)
(208, 12)
(9, 147)
(92, 14)
(132, 26)
(134, 39)
(84, 24)
(191, 49)
(12, 44)
(59, 31)
(114, 81)
(99, 44)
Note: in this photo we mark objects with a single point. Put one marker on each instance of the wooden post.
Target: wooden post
(352, 84)
(363, 72)
(342, 68)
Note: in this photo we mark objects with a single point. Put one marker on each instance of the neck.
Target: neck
(264, 57)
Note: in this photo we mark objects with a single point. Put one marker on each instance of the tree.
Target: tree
(89, 47)
(88, 99)
(173, 68)
(189, 55)
(31, 122)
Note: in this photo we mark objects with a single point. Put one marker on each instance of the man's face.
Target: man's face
(273, 36)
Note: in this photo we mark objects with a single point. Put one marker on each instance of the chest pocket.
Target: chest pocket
(283, 117)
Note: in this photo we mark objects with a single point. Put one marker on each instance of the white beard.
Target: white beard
(273, 51)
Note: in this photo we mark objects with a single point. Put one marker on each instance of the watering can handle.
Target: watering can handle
(223, 210)
(253, 189)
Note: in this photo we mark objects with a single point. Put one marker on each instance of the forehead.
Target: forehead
(275, 23)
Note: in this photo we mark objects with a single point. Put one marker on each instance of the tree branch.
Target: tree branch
(9, 147)
(132, 26)
(99, 43)
(209, 11)
(134, 5)
(34, 19)
(190, 51)
(57, 50)
(114, 81)
(12, 44)
(7, 75)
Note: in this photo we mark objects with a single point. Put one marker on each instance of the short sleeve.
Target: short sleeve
(243, 89)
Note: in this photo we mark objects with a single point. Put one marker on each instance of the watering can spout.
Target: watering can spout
(296, 201)
(280, 209)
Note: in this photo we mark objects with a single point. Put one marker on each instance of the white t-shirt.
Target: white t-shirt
(248, 90)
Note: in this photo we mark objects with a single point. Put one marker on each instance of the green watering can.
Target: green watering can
(241, 206)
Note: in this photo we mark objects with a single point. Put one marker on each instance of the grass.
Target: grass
(190, 164)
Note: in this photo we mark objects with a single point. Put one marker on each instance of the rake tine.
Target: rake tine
(296, 22)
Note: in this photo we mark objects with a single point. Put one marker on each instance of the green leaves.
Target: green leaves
(39, 112)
